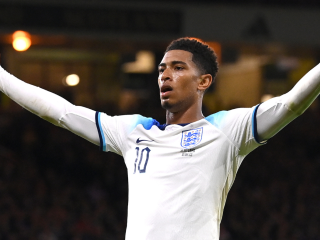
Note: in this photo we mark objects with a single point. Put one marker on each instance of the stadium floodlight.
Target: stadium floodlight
(21, 41)
(71, 80)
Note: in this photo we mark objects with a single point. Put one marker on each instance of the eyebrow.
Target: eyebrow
(172, 63)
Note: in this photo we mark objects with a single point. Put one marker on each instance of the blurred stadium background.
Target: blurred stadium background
(103, 55)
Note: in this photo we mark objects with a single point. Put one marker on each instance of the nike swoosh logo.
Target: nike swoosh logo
(138, 140)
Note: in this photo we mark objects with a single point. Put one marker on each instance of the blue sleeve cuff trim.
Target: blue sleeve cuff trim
(254, 126)
(103, 146)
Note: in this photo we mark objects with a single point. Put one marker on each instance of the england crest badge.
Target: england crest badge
(191, 138)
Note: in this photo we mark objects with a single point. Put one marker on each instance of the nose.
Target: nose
(165, 75)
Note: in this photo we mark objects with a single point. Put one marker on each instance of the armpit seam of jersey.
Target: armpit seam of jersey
(253, 139)
(120, 137)
(224, 186)
(115, 146)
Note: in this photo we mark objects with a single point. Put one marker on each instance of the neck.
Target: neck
(187, 116)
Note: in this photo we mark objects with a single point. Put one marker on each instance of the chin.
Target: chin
(166, 105)
(170, 106)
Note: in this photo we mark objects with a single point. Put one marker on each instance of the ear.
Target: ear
(205, 82)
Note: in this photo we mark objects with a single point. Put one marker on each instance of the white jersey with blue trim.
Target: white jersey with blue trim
(179, 176)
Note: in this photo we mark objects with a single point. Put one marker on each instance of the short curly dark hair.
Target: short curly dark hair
(203, 56)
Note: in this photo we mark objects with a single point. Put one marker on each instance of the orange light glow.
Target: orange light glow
(217, 49)
(21, 41)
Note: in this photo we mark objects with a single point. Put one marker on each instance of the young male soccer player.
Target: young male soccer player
(180, 172)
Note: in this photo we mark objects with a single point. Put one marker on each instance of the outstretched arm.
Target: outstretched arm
(50, 107)
(277, 112)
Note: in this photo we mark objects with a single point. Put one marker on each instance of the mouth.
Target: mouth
(165, 90)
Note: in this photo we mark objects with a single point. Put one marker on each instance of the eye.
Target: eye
(161, 70)
(179, 68)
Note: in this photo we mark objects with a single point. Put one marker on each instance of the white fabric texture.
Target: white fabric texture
(277, 112)
(179, 177)
(50, 107)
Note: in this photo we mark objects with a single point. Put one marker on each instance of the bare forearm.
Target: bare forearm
(276, 113)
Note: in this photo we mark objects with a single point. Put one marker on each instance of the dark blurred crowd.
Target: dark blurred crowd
(55, 185)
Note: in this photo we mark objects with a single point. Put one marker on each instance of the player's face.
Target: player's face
(178, 81)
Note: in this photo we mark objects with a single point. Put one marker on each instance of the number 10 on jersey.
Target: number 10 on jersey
(142, 157)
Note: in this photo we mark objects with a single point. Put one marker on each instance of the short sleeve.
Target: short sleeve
(115, 130)
(239, 126)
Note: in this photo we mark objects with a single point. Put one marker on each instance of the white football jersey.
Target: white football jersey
(179, 176)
